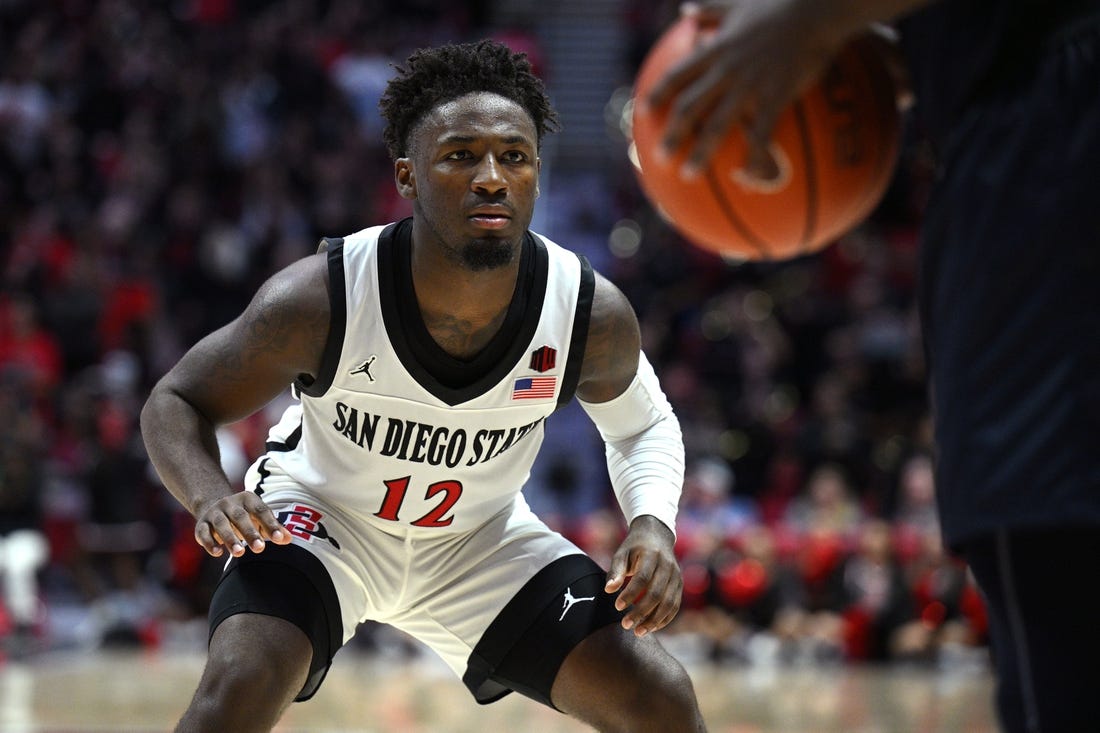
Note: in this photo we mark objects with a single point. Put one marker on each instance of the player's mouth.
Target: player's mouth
(490, 217)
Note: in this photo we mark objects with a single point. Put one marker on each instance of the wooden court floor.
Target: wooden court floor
(127, 692)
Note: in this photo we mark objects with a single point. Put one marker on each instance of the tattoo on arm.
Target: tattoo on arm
(271, 328)
(611, 355)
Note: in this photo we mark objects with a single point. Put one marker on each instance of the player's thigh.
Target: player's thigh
(494, 604)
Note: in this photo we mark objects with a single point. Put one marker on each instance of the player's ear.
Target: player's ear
(405, 178)
(538, 170)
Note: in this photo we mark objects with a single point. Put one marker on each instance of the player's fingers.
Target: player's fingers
(691, 110)
(687, 112)
(226, 534)
(667, 612)
(204, 535)
(617, 573)
(638, 584)
(673, 82)
(670, 606)
(680, 75)
(276, 532)
(716, 127)
(644, 609)
(246, 528)
(671, 592)
(760, 163)
(265, 520)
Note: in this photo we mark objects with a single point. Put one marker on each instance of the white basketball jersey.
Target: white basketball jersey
(380, 435)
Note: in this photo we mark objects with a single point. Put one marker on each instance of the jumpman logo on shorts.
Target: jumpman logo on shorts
(570, 599)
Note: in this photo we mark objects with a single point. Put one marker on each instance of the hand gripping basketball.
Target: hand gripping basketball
(834, 151)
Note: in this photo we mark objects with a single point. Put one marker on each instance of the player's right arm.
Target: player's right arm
(645, 460)
(225, 377)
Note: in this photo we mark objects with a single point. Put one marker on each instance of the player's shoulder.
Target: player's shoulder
(302, 285)
(610, 306)
(611, 309)
(344, 258)
(366, 237)
(612, 346)
(555, 252)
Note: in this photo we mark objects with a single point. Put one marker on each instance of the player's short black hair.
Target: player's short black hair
(434, 76)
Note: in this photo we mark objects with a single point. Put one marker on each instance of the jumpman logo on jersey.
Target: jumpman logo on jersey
(570, 600)
(364, 368)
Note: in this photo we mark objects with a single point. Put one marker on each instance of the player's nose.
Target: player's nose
(489, 176)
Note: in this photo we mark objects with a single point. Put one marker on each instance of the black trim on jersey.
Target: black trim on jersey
(338, 320)
(291, 442)
(288, 582)
(452, 380)
(525, 645)
(264, 473)
(579, 340)
(449, 371)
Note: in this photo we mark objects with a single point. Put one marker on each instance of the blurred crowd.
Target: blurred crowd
(159, 161)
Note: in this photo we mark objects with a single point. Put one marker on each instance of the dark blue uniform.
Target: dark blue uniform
(1009, 93)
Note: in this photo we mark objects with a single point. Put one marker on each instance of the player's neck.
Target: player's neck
(461, 308)
(462, 319)
(445, 285)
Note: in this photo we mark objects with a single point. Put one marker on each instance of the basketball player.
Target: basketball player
(427, 355)
(1008, 91)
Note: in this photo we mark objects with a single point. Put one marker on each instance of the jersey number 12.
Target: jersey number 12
(395, 497)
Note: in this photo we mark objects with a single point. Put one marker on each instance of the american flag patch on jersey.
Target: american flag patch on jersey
(534, 388)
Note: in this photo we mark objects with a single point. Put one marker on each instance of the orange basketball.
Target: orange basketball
(836, 148)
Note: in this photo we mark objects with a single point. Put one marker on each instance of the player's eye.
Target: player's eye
(459, 155)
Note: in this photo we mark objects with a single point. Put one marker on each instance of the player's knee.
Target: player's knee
(239, 677)
(242, 691)
(664, 700)
(250, 678)
(666, 710)
(643, 689)
(256, 657)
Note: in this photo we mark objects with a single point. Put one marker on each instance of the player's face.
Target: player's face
(472, 173)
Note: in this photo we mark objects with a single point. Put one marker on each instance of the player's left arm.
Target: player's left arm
(645, 459)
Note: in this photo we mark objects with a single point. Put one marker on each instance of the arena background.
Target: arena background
(159, 160)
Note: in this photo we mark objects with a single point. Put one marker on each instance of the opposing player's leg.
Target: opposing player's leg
(615, 681)
(1042, 625)
(256, 666)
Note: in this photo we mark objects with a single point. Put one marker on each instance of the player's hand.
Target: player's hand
(647, 566)
(762, 56)
(236, 523)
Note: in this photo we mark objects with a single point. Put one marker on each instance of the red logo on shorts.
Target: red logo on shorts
(305, 523)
